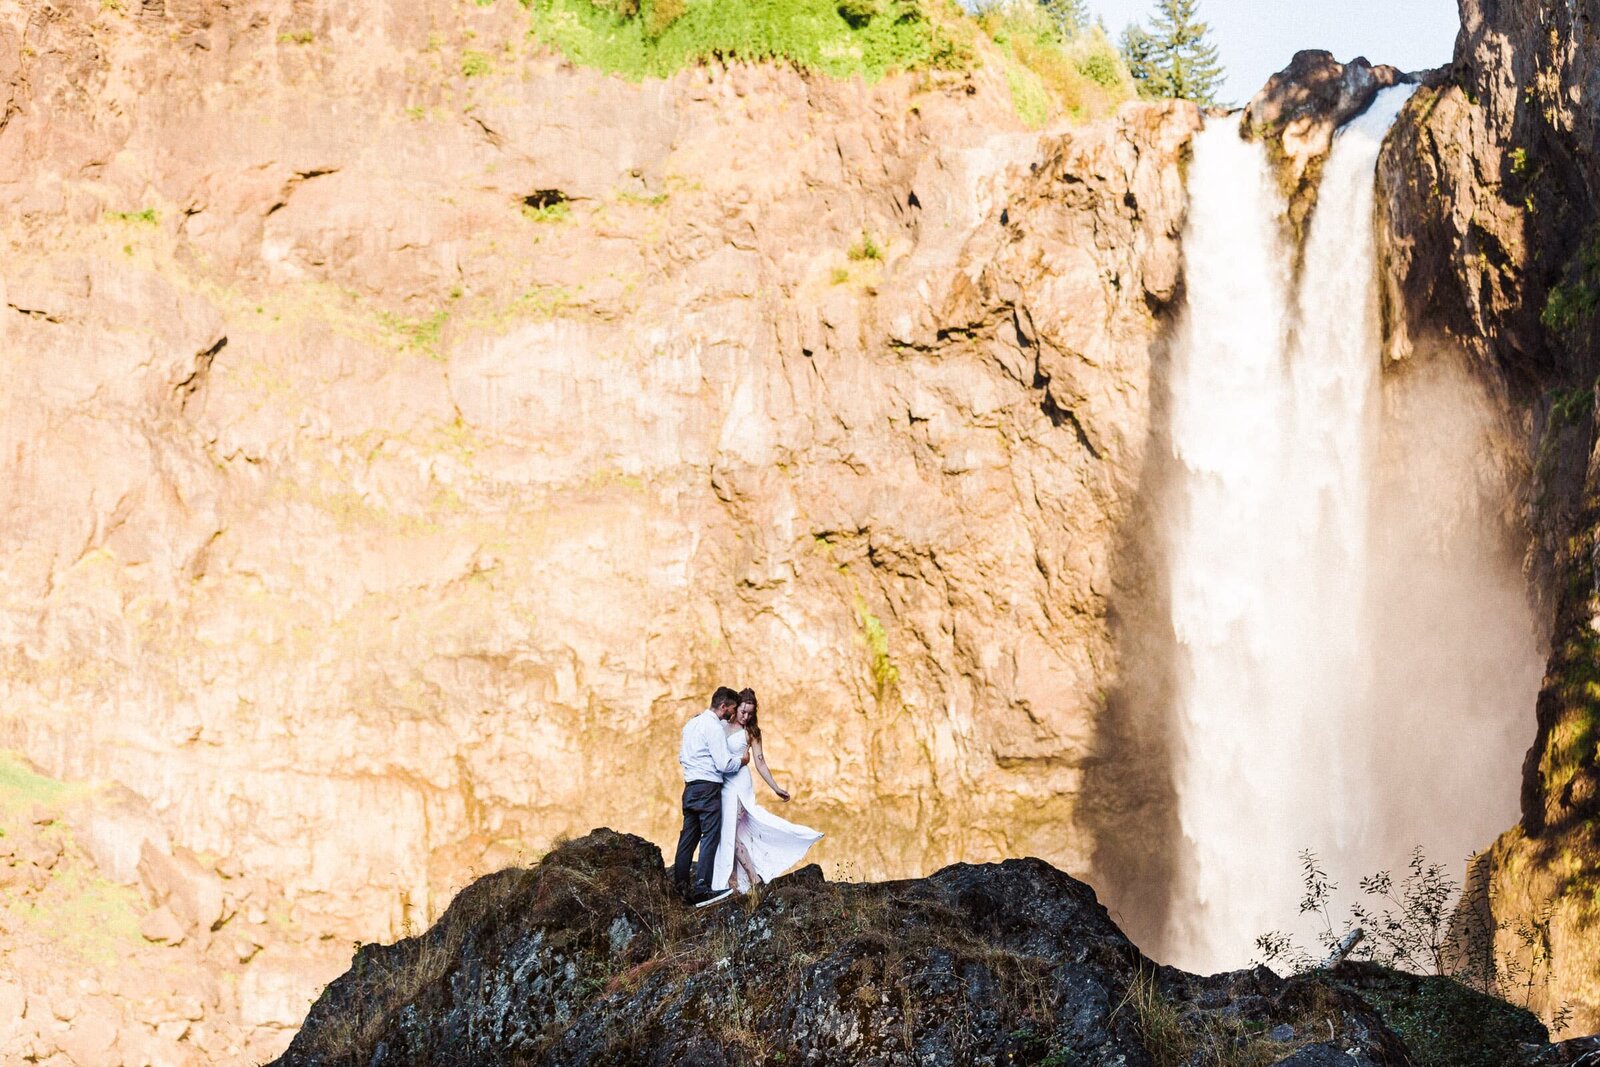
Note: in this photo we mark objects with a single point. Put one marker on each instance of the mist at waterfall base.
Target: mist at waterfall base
(1355, 657)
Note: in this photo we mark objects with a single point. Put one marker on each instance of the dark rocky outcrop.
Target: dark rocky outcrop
(1316, 92)
(587, 959)
(1301, 107)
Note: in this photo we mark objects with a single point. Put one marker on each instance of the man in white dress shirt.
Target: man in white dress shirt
(706, 761)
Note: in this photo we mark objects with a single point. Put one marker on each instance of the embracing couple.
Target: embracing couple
(741, 843)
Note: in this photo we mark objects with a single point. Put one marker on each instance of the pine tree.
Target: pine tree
(1070, 16)
(1140, 54)
(1175, 57)
(1193, 69)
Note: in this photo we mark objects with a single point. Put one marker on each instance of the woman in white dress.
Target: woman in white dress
(756, 845)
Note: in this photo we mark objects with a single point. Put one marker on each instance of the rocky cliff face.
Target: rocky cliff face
(404, 431)
(1300, 109)
(1493, 214)
(587, 959)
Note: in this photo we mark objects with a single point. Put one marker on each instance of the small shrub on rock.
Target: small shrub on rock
(858, 12)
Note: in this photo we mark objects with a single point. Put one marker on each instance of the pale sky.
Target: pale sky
(1257, 37)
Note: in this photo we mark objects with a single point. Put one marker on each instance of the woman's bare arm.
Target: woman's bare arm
(761, 769)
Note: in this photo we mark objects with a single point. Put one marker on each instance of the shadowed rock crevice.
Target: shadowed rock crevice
(196, 379)
(544, 199)
(1136, 871)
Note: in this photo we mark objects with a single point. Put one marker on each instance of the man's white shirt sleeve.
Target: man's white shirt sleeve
(725, 760)
(704, 754)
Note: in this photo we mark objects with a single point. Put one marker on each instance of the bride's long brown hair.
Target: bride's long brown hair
(753, 727)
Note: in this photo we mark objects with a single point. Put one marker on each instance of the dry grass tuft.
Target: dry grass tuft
(1175, 1038)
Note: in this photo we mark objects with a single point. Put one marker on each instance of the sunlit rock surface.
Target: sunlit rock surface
(391, 459)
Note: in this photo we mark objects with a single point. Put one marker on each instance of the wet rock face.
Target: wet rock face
(1492, 185)
(1301, 107)
(587, 960)
(1303, 104)
(1490, 202)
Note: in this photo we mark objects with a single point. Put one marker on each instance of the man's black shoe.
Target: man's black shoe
(705, 900)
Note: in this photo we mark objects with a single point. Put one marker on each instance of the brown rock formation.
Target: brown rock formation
(1491, 182)
(1301, 107)
(392, 457)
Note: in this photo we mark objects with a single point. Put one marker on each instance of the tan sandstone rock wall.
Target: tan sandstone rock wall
(391, 459)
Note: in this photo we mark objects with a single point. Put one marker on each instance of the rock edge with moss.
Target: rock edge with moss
(589, 959)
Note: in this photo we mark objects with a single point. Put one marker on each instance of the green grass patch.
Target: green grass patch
(1567, 406)
(1101, 67)
(542, 302)
(83, 913)
(611, 478)
(1052, 72)
(557, 212)
(1028, 95)
(643, 199)
(146, 217)
(1569, 304)
(538, 304)
(422, 334)
(475, 64)
(865, 248)
(1573, 301)
(1572, 744)
(1446, 1024)
(1179, 1038)
(77, 909)
(884, 672)
(638, 39)
(22, 789)
(296, 37)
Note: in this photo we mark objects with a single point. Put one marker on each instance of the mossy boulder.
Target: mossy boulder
(587, 959)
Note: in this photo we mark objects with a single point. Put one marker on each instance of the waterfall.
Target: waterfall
(1280, 603)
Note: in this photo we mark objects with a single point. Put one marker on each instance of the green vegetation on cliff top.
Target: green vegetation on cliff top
(654, 38)
(1053, 68)
(1175, 56)
(1053, 65)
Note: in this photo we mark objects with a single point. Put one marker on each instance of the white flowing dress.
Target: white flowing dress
(773, 844)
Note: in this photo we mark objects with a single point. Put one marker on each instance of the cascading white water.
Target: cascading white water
(1283, 689)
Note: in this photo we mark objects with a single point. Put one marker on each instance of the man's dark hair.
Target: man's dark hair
(724, 698)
